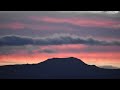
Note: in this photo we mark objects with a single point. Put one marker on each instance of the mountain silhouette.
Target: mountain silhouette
(58, 68)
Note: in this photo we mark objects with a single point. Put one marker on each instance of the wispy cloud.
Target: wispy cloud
(80, 21)
(93, 12)
(23, 26)
(83, 22)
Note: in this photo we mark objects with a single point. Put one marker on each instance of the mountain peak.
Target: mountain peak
(64, 58)
(68, 60)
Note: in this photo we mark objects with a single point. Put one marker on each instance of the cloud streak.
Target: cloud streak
(84, 22)
(92, 12)
(56, 39)
(79, 21)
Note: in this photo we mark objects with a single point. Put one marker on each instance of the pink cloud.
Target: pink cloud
(17, 25)
(86, 22)
(20, 26)
(79, 48)
(62, 48)
(13, 25)
(47, 27)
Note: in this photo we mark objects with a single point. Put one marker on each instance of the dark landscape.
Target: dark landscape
(58, 68)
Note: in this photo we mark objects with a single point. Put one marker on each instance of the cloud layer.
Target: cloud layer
(56, 39)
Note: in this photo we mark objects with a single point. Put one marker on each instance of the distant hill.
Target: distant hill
(58, 68)
(109, 67)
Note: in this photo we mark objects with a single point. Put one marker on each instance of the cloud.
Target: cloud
(47, 51)
(37, 26)
(8, 50)
(80, 21)
(14, 25)
(55, 39)
(112, 12)
(15, 40)
(93, 12)
(27, 49)
(90, 13)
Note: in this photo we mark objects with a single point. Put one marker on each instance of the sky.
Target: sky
(34, 36)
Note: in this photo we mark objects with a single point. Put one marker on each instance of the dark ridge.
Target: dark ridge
(58, 68)
(69, 59)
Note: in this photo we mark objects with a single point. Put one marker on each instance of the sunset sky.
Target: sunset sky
(35, 36)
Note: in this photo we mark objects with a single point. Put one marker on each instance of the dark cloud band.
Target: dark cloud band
(55, 39)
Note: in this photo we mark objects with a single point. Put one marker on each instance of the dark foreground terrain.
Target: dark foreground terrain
(58, 68)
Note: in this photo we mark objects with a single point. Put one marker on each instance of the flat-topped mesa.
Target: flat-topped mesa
(69, 60)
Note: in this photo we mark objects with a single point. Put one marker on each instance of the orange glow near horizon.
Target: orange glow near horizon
(61, 51)
(99, 59)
